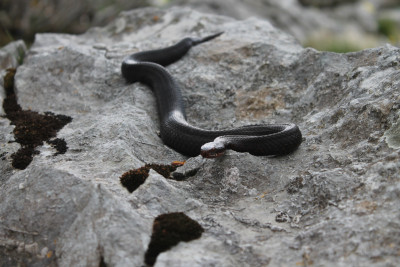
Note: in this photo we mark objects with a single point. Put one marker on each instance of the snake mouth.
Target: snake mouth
(213, 149)
(210, 154)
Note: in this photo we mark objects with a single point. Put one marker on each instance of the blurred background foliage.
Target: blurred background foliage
(327, 25)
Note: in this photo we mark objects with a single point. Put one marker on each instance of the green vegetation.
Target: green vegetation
(333, 44)
(20, 56)
(339, 47)
(388, 27)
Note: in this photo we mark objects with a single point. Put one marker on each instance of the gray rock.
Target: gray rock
(51, 217)
(326, 24)
(288, 15)
(11, 56)
(24, 18)
(325, 3)
(332, 202)
(322, 24)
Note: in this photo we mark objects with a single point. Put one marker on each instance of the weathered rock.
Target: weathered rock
(24, 18)
(334, 201)
(325, 3)
(11, 56)
(328, 25)
(332, 25)
(288, 15)
(335, 25)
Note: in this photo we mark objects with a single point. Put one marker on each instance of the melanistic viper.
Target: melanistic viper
(260, 140)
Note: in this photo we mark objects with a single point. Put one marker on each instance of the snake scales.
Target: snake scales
(148, 67)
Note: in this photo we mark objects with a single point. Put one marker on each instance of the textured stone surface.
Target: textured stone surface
(25, 18)
(11, 56)
(288, 15)
(334, 201)
(333, 25)
(354, 22)
(317, 23)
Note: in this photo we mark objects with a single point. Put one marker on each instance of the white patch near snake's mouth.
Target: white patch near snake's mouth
(213, 149)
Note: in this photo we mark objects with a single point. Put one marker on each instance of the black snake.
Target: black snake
(177, 133)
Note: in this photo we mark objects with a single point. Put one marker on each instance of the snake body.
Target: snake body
(148, 67)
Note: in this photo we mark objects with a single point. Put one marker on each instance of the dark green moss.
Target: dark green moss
(59, 144)
(23, 157)
(31, 128)
(168, 230)
(9, 81)
(132, 179)
(102, 262)
(164, 170)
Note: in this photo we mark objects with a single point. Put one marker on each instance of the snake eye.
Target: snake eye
(213, 149)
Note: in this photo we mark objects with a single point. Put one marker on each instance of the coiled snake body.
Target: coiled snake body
(177, 133)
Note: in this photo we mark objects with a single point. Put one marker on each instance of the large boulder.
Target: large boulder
(24, 18)
(334, 201)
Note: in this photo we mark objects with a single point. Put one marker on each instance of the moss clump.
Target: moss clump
(168, 230)
(31, 128)
(59, 144)
(132, 179)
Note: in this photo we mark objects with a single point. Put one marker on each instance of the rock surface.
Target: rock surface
(334, 201)
(332, 25)
(25, 18)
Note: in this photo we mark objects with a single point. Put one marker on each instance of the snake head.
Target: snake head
(213, 149)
